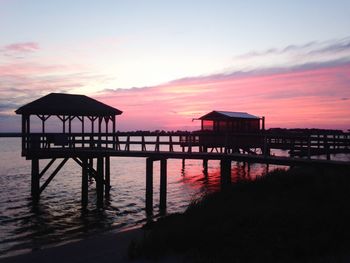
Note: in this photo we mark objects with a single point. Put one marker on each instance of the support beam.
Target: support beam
(84, 183)
(149, 185)
(225, 165)
(47, 167)
(91, 171)
(99, 182)
(35, 182)
(42, 188)
(163, 184)
(107, 176)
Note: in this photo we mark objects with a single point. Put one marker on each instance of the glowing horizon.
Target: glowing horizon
(294, 99)
(164, 63)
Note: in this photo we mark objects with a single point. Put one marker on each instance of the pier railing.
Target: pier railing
(298, 144)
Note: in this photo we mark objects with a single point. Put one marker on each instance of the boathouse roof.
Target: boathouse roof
(67, 104)
(214, 115)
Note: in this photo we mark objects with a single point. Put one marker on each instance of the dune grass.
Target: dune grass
(298, 215)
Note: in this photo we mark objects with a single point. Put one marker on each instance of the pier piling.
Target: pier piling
(163, 184)
(225, 170)
(205, 166)
(84, 183)
(99, 182)
(107, 176)
(149, 185)
(35, 182)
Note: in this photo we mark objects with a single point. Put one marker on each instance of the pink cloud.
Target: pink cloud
(23, 47)
(312, 98)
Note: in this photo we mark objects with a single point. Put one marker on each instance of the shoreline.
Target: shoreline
(105, 247)
(112, 230)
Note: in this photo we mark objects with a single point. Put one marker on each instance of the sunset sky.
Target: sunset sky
(165, 62)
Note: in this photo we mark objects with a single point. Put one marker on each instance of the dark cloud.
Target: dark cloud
(333, 47)
(263, 71)
(311, 48)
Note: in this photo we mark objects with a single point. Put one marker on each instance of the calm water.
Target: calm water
(58, 217)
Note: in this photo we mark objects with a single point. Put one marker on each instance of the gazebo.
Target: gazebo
(89, 141)
(66, 108)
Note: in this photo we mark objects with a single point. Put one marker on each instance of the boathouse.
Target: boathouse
(228, 131)
(229, 121)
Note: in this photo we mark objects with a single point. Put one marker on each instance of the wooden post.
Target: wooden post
(326, 146)
(156, 148)
(149, 185)
(99, 182)
(171, 148)
(225, 165)
(107, 176)
(263, 123)
(114, 136)
(35, 187)
(91, 166)
(83, 131)
(24, 133)
(84, 183)
(205, 167)
(265, 146)
(143, 147)
(163, 184)
(183, 160)
(99, 131)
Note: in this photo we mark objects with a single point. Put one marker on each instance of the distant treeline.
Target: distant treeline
(305, 131)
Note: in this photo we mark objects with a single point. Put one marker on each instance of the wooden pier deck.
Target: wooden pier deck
(83, 148)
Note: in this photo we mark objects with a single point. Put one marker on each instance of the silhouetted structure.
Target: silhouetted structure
(234, 136)
(228, 121)
(66, 108)
(229, 132)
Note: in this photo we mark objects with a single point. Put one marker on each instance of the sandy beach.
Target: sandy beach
(105, 247)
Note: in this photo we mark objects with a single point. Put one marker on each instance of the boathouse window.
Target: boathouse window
(208, 125)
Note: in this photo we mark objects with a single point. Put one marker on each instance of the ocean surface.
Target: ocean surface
(58, 217)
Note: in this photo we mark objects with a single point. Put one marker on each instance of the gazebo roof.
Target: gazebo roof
(220, 115)
(67, 104)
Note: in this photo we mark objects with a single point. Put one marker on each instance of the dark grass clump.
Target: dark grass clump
(299, 215)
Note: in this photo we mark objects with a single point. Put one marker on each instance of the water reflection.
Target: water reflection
(58, 216)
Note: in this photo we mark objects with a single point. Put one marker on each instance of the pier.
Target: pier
(98, 141)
